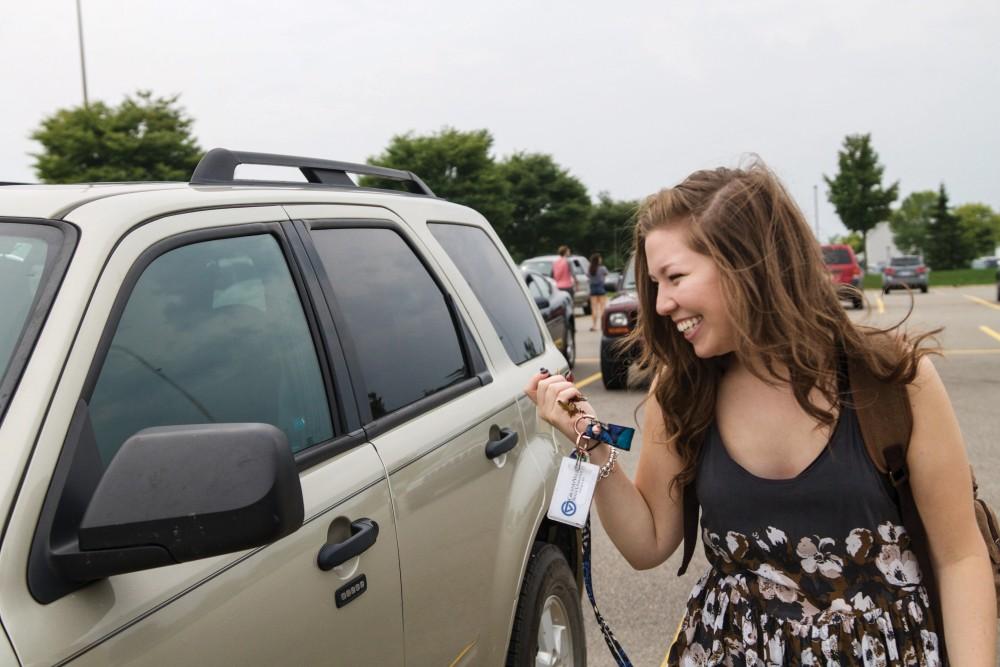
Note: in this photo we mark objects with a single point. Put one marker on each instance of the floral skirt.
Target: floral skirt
(725, 624)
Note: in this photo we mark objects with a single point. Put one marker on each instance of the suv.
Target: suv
(845, 272)
(577, 263)
(250, 422)
(620, 317)
(905, 272)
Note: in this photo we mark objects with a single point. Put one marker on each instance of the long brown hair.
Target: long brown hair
(781, 301)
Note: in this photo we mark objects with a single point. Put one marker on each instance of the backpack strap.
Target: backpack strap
(886, 420)
(690, 511)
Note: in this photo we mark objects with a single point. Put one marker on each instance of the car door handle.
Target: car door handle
(364, 532)
(505, 443)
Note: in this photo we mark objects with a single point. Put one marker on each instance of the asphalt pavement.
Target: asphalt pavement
(644, 608)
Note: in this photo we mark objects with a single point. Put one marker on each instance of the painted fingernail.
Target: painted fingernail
(544, 371)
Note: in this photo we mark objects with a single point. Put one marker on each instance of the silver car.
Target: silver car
(577, 263)
(260, 423)
(905, 271)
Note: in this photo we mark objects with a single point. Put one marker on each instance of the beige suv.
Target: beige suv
(250, 422)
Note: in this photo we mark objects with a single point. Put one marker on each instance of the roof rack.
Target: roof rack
(218, 167)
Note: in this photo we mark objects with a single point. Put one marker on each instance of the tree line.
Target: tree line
(923, 224)
(534, 203)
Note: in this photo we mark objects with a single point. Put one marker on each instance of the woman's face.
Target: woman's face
(689, 292)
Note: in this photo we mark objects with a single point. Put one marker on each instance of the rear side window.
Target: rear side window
(213, 332)
(496, 287)
(836, 256)
(402, 328)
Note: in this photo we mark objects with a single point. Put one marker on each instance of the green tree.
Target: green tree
(856, 192)
(947, 246)
(457, 166)
(551, 207)
(980, 226)
(610, 229)
(909, 223)
(852, 239)
(142, 139)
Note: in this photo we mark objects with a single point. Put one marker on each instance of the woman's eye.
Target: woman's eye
(675, 277)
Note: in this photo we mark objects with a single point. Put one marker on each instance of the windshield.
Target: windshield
(836, 256)
(539, 266)
(905, 261)
(27, 255)
(629, 281)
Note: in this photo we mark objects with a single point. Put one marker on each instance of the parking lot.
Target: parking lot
(644, 608)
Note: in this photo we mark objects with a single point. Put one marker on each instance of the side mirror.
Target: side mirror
(178, 493)
(541, 302)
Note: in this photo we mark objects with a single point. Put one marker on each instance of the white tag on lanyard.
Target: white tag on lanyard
(573, 493)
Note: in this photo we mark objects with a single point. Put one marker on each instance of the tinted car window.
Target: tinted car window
(836, 256)
(905, 261)
(213, 332)
(400, 323)
(496, 287)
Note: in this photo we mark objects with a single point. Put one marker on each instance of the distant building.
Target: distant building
(880, 246)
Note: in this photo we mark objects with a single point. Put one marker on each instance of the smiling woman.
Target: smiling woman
(753, 420)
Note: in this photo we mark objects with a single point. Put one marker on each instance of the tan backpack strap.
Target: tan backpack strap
(884, 413)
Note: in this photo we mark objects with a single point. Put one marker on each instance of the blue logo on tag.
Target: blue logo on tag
(569, 508)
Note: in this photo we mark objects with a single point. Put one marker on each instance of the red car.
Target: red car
(845, 272)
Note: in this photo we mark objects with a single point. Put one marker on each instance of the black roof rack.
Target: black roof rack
(218, 167)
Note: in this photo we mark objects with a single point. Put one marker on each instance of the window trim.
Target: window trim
(471, 354)
(42, 305)
(340, 439)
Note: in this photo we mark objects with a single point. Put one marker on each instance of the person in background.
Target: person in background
(562, 272)
(751, 416)
(598, 292)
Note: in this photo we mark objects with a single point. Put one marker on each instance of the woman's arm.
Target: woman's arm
(942, 489)
(642, 519)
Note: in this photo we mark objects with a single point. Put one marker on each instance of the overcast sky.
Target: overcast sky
(628, 96)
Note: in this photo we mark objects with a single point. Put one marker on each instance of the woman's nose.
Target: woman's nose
(665, 303)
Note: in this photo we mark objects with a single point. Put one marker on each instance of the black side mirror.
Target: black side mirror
(171, 494)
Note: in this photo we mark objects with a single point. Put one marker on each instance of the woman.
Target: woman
(745, 340)
(598, 292)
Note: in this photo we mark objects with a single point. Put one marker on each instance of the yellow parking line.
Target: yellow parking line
(881, 304)
(992, 350)
(982, 302)
(584, 382)
(990, 332)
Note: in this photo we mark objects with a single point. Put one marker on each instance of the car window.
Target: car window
(496, 287)
(535, 287)
(545, 286)
(542, 267)
(402, 329)
(905, 261)
(25, 252)
(836, 256)
(212, 332)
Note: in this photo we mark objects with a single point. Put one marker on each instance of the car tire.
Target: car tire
(613, 374)
(885, 290)
(586, 308)
(548, 622)
(923, 289)
(569, 343)
(857, 303)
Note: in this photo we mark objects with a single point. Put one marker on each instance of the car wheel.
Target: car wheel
(569, 343)
(923, 289)
(885, 290)
(548, 624)
(586, 308)
(613, 374)
(857, 303)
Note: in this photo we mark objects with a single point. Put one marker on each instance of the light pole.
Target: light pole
(815, 208)
(83, 65)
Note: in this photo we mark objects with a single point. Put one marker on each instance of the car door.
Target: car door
(198, 318)
(465, 495)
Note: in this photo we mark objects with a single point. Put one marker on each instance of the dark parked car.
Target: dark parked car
(611, 281)
(556, 307)
(845, 272)
(907, 271)
(620, 317)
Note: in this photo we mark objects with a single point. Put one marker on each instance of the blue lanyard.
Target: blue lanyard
(617, 652)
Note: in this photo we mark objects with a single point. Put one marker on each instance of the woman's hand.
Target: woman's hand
(548, 391)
